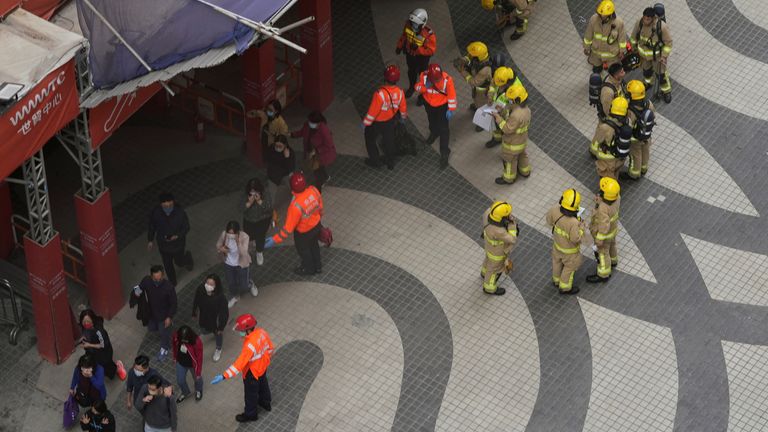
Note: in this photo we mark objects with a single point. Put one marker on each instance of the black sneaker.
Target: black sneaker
(498, 292)
(572, 291)
(492, 143)
(501, 181)
(443, 163)
(242, 418)
(597, 279)
(181, 398)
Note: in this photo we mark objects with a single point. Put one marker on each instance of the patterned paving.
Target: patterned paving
(396, 334)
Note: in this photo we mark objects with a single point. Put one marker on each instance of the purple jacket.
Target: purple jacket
(320, 140)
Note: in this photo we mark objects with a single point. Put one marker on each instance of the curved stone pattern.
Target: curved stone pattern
(294, 368)
(726, 24)
(747, 380)
(730, 274)
(753, 10)
(634, 386)
(495, 348)
(678, 161)
(472, 160)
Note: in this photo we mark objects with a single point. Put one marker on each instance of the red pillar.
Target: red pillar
(259, 84)
(6, 225)
(102, 266)
(317, 64)
(50, 304)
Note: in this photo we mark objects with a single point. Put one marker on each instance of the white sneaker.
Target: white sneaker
(232, 302)
(217, 355)
(254, 290)
(259, 258)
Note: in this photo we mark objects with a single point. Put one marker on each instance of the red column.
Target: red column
(50, 304)
(259, 84)
(317, 64)
(102, 266)
(6, 225)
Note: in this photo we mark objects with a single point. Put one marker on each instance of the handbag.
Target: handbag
(71, 411)
(326, 236)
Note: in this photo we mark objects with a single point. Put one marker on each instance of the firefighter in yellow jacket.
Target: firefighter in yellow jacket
(642, 117)
(514, 139)
(604, 226)
(500, 233)
(605, 41)
(653, 40)
(511, 12)
(503, 78)
(475, 68)
(567, 232)
(612, 140)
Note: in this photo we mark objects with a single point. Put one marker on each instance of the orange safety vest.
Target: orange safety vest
(437, 94)
(304, 213)
(387, 101)
(255, 356)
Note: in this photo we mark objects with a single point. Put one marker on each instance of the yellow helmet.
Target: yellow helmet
(636, 89)
(610, 188)
(516, 93)
(487, 4)
(619, 106)
(503, 75)
(606, 8)
(478, 50)
(500, 210)
(570, 200)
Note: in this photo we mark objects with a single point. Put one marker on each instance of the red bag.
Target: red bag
(326, 236)
(71, 410)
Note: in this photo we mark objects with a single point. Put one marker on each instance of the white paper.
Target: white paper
(483, 119)
(581, 211)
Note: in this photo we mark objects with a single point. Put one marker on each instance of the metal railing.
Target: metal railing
(289, 61)
(74, 263)
(15, 318)
(215, 106)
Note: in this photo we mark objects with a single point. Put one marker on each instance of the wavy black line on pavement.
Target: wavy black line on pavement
(293, 370)
(724, 21)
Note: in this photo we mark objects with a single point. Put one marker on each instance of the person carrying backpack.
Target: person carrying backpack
(612, 138)
(609, 89)
(653, 40)
(642, 117)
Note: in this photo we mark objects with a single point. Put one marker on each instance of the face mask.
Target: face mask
(157, 282)
(270, 114)
(415, 27)
(138, 372)
(87, 325)
(168, 210)
(312, 125)
(242, 334)
(209, 288)
(183, 349)
(278, 149)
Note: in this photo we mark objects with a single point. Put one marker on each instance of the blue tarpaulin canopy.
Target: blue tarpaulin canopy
(165, 32)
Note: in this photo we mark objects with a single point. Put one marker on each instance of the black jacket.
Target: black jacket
(161, 298)
(279, 166)
(162, 227)
(96, 425)
(212, 311)
(143, 313)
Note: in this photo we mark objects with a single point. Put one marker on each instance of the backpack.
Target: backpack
(596, 84)
(646, 120)
(622, 139)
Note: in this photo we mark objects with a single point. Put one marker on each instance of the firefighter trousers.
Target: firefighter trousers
(491, 272)
(514, 163)
(563, 268)
(609, 167)
(256, 391)
(607, 256)
(639, 156)
(652, 68)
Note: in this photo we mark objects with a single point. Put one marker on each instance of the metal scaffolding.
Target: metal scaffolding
(40, 223)
(76, 138)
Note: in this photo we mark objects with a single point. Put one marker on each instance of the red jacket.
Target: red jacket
(195, 351)
(423, 44)
(320, 140)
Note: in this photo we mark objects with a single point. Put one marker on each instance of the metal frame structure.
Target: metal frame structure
(39, 206)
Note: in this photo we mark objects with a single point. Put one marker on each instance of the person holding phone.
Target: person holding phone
(257, 216)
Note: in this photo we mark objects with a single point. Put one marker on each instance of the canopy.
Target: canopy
(165, 33)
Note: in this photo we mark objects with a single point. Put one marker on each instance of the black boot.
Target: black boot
(667, 97)
(597, 279)
(242, 418)
(572, 291)
(515, 36)
(492, 143)
(499, 291)
(443, 162)
(501, 181)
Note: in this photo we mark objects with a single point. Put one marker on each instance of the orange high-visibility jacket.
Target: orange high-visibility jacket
(437, 94)
(423, 43)
(304, 213)
(255, 356)
(385, 103)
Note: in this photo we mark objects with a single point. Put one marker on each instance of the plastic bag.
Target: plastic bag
(71, 411)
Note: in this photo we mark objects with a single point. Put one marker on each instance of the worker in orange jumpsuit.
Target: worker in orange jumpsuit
(252, 362)
(303, 216)
(436, 87)
(388, 105)
(419, 43)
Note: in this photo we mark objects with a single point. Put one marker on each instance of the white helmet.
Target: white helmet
(419, 16)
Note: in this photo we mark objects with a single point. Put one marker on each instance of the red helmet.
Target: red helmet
(392, 74)
(435, 72)
(245, 322)
(298, 182)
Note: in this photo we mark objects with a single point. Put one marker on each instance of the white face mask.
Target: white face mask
(312, 125)
(138, 372)
(183, 348)
(209, 288)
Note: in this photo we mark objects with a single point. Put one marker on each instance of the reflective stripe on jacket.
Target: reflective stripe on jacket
(437, 94)
(255, 355)
(304, 213)
(382, 108)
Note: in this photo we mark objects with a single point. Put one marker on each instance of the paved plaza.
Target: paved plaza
(396, 334)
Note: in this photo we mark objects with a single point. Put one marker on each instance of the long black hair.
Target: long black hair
(218, 288)
(98, 322)
(234, 226)
(186, 334)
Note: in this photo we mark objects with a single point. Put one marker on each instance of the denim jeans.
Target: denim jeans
(165, 332)
(218, 336)
(181, 379)
(237, 279)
